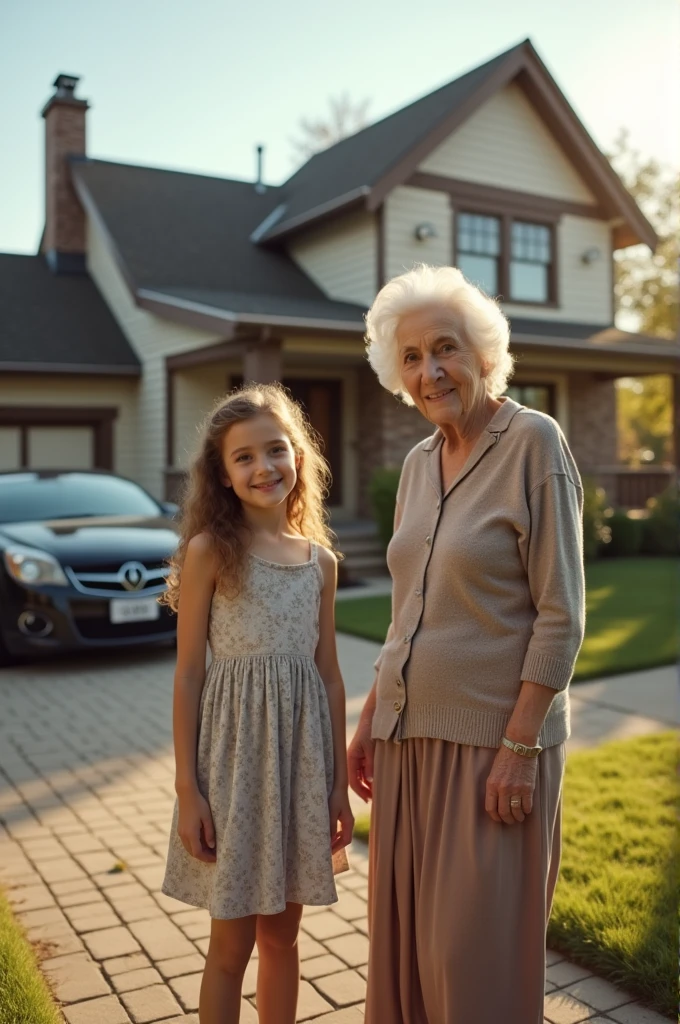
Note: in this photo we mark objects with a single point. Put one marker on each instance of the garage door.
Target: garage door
(56, 438)
(61, 447)
(10, 448)
(47, 448)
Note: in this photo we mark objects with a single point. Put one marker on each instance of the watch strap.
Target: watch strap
(521, 748)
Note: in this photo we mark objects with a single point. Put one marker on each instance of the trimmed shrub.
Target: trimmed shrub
(383, 494)
(661, 530)
(596, 531)
(626, 535)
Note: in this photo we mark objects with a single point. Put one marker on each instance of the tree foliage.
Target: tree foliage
(344, 118)
(644, 408)
(646, 284)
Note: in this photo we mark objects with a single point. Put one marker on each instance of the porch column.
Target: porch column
(263, 361)
(593, 434)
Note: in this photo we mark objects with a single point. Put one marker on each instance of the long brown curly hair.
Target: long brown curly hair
(208, 506)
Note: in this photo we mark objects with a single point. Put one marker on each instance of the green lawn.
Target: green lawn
(24, 996)
(632, 616)
(616, 903)
(617, 897)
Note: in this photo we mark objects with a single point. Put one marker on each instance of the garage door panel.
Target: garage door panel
(61, 447)
(10, 448)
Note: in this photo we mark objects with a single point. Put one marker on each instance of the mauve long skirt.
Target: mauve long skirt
(458, 903)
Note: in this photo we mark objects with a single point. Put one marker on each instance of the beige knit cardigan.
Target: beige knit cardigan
(488, 585)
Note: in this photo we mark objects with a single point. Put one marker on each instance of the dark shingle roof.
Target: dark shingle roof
(58, 320)
(188, 236)
(352, 166)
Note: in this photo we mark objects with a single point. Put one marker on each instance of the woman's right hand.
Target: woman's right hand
(360, 761)
(195, 826)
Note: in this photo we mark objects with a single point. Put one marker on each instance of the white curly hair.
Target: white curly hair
(481, 321)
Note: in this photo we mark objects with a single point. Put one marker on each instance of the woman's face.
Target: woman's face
(440, 371)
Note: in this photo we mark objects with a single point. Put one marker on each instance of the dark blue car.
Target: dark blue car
(83, 558)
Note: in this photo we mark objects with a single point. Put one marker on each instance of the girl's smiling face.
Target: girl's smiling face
(259, 461)
(441, 372)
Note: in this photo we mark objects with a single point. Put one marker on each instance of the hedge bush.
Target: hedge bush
(596, 529)
(383, 495)
(626, 535)
(661, 531)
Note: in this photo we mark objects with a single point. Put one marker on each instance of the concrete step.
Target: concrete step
(359, 546)
(359, 543)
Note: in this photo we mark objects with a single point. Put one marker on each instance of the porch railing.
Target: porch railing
(632, 488)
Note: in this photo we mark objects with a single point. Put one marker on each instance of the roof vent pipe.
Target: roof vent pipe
(260, 187)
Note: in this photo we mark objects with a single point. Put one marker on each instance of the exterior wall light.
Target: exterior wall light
(424, 231)
(591, 256)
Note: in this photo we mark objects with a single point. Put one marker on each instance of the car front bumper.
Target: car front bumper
(75, 621)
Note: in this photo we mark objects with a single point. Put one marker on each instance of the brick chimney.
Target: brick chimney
(63, 241)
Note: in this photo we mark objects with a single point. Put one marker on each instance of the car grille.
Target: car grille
(130, 577)
(91, 619)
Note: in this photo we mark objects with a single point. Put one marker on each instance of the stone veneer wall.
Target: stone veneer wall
(387, 432)
(592, 423)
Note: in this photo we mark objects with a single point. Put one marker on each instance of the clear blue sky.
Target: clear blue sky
(197, 85)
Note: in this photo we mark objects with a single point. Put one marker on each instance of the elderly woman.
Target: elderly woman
(461, 741)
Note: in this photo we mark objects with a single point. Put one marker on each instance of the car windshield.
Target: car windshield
(27, 497)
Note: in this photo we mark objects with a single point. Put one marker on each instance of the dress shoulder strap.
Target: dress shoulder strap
(313, 552)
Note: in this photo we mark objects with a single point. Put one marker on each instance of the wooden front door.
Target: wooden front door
(322, 401)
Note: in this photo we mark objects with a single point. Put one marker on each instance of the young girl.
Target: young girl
(261, 774)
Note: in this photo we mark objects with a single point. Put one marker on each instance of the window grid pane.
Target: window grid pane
(531, 242)
(530, 259)
(528, 282)
(534, 396)
(477, 234)
(480, 270)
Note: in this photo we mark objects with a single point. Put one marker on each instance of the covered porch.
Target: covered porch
(569, 377)
(321, 373)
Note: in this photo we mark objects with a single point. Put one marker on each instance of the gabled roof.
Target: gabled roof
(363, 168)
(57, 322)
(187, 237)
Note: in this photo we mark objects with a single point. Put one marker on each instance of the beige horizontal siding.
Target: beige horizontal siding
(76, 391)
(195, 392)
(405, 209)
(341, 257)
(152, 339)
(505, 143)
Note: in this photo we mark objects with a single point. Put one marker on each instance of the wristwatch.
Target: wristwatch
(521, 749)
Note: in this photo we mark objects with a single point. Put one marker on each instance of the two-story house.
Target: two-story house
(155, 291)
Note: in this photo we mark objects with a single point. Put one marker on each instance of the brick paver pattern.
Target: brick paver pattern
(86, 794)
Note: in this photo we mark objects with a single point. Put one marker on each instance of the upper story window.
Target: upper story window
(530, 261)
(479, 250)
(507, 256)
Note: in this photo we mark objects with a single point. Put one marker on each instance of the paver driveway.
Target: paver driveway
(86, 787)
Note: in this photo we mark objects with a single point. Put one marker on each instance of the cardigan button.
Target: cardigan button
(397, 706)
(418, 591)
(407, 638)
(398, 681)
(428, 540)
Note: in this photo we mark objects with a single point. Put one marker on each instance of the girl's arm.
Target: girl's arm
(327, 663)
(198, 582)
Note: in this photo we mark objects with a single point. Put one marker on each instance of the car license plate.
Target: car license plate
(143, 609)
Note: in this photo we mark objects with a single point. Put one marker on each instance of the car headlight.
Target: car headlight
(27, 565)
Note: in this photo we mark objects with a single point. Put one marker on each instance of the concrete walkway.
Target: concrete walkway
(86, 793)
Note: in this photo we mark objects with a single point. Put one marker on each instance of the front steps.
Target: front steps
(359, 542)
